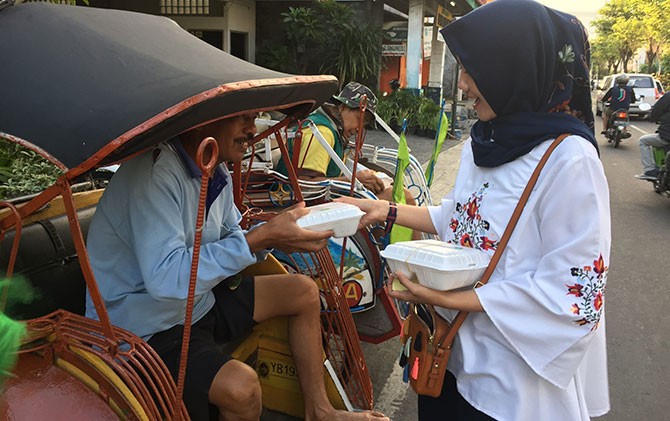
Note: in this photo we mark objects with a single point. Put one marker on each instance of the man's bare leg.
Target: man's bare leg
(236, 391)
(297, 296)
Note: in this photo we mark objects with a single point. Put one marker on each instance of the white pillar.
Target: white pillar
(436, 60)
(414, 44)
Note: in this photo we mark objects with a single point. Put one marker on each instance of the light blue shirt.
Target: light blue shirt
(140, 243)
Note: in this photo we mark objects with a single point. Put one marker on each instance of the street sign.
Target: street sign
(395, 34)
(394, 49)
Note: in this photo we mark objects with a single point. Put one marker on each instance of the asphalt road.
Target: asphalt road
(638, 290)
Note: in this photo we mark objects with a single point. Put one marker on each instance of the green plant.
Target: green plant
(428, 114)
(358, 53)
(277, 57)
(23, 172)
(386, 108)
(303, 28)
(399, 106)
(324, 38)
(407, 106)
(352, 52)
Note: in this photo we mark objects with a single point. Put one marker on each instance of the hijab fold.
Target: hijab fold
(531, 64)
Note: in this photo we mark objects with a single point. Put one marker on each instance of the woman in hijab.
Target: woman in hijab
(533, 345)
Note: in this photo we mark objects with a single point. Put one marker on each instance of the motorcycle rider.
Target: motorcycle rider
(660, 113)
(620, 97)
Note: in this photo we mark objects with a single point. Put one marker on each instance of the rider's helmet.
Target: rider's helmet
(622, 79)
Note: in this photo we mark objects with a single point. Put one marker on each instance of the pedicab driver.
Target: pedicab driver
(141, 241)
(337, 120)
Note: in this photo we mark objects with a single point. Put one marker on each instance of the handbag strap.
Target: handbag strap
(460, 317)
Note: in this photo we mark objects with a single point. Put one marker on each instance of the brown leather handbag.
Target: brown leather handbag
(427, 347)
(427, 338)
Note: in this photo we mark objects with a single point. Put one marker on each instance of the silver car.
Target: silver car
(645, 89)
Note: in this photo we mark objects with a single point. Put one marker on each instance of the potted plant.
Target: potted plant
(427, 117)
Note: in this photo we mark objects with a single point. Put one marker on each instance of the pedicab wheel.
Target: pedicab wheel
(68, 368)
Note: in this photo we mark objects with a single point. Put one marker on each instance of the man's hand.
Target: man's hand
(371, 181)
(282, 233)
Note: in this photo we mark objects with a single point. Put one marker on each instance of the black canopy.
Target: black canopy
(75, 79)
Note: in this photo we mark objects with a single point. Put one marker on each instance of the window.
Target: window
(185, 7)
(641, 82)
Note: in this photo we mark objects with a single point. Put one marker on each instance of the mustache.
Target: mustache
(244, 138)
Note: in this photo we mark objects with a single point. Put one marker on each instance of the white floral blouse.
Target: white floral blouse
(538, 351)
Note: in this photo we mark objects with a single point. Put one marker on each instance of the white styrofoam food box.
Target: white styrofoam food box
(342, 218)
(436, 264)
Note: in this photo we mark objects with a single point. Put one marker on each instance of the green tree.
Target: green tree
(604, 55)
(325, 38)
(621, 24)
(303, 29)
(655, 27)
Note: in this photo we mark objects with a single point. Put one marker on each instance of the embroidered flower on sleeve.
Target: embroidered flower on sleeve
(466, 241)
(468, 226)
(488, 244)
(567, 54)
(589, 289)
(454, 224)
(575, 290)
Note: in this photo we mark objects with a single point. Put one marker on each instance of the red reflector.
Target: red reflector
(621, 115)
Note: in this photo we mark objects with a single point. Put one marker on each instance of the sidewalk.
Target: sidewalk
(445, 171)
(422, 148)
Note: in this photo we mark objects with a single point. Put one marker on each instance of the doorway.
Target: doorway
(238, 45)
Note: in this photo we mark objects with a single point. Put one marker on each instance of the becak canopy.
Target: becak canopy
(95, 86)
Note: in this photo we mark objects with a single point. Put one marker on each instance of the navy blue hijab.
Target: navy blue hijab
(531, 63)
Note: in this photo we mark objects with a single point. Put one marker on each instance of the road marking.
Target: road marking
(638, 129)
(393, 393)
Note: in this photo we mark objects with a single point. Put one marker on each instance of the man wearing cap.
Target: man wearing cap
(337, 120)
(141, 245)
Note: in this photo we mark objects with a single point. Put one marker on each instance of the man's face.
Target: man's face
(232, 135)
(350, 119)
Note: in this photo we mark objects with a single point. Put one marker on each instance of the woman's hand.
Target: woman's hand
(464, 300)
(375, 210)
(414, 293)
